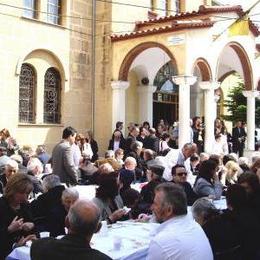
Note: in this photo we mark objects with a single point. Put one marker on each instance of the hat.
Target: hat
(157, 169)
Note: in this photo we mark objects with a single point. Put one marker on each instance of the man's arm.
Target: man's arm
(155, 252)
(69, 165)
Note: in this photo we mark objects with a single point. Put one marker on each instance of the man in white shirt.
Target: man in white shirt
(178, 237)
(178, 156)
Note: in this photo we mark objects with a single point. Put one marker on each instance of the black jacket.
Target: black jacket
(234, 228)
(152, 142)
(70, 247)
(191, 195)
(121, 144)
(94, 147)
(49, 213)
(7, 214)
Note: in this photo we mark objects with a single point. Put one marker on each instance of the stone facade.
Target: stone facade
(68, 48)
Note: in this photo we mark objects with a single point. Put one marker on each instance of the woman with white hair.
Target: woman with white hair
(69, 197)
(11, 168)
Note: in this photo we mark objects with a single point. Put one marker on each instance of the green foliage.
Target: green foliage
(236, 105)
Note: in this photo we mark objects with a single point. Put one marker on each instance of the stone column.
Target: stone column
(146, 103)
(184, 83)
(209, 113)
(216, 99)
(118, 101)
(250, 117)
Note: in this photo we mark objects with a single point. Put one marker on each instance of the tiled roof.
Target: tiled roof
(163, 29)
(253, 28)
(203, 10)
(141, 30)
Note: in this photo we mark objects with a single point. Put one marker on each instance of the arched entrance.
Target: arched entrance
(233, 68)
(165, 98)
(202, 71)
(149, 68)
(234, 58)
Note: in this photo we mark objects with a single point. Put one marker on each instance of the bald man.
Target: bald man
(82, 222)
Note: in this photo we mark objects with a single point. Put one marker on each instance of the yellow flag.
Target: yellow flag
(240, 27)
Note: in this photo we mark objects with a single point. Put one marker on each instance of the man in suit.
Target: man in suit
(62, 158)
(238, 138)
(134, 132)
(152, 141)
(83, 220)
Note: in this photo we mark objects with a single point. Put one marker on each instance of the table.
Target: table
(89, 191)
(135, 241)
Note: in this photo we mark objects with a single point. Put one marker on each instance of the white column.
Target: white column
(184, 83)
(146, 103)
(209, 113)
(250, 117)
(216, 99)
(118, 101)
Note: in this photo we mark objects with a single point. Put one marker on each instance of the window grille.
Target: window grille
(52, 93)
(27, 86)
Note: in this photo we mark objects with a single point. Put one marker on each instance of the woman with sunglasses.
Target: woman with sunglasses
(179, 176)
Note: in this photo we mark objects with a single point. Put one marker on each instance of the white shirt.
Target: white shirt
(116, 145)
(173, 157)
(220, 147)
(180, 238)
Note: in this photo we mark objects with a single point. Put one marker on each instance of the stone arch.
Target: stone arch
(204, 67)
(132, 54)
(56, 61)
(245, 63)
(226, 75)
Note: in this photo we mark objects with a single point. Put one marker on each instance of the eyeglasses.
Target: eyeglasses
(182, 173)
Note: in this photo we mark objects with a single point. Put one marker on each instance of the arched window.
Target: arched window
(52, 96)
(163, 79)
(27, 87)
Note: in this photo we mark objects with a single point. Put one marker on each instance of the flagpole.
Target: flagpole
(238, 19)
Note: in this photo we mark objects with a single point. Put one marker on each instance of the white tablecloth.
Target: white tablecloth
(220, 204)
(135, 241)
(89, 191)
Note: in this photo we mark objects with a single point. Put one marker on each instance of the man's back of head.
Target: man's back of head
(83, 219)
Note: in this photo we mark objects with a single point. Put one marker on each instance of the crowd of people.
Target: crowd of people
(174, 180)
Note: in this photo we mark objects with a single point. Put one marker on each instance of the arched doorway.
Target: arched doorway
(202, 71)
(233, 68)
(165, 98)
(148, 68)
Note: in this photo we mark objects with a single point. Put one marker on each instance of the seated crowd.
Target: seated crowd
(38, 195)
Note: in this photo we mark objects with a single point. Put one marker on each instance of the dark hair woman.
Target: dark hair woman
(207, 183)
(15, 218)
(108, 199)
(93, 144)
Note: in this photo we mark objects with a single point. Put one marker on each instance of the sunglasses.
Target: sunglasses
(182, 173)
